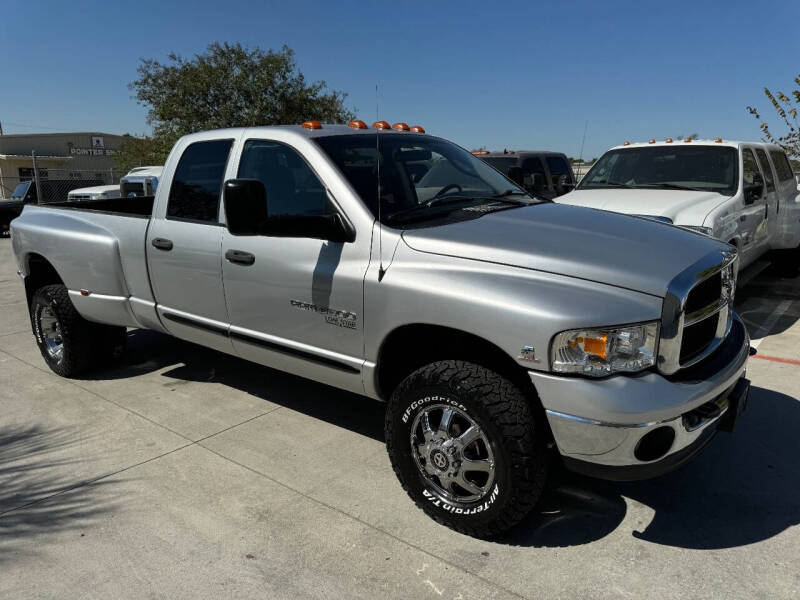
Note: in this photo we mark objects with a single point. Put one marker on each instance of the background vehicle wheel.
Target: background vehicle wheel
(464, 443)
(70, 344)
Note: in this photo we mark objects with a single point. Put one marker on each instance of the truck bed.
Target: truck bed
(139, 206)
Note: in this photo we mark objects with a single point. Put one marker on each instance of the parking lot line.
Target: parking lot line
(769, 323)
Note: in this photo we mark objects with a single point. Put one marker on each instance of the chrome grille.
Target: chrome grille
(697, 312)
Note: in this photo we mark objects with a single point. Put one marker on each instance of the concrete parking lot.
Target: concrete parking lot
(184, 473)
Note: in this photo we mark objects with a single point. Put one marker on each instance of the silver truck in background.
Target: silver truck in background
(501, 331)
(97, 192)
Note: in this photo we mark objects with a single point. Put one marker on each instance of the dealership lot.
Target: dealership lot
(188, 473)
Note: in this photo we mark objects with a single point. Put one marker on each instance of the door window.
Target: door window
(749, 166)
(197, 183)
(768, 178)
(782, 165)
(292, 187)
(558, 166)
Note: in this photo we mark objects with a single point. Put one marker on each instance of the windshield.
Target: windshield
(418, 173)
(501, 163)
(704, 168)
(20, 191)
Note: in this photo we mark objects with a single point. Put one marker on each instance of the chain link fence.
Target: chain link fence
(55, 184)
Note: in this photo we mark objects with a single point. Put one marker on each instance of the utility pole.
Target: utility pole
(36, 178)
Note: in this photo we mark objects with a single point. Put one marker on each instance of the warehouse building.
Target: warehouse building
(82, 156)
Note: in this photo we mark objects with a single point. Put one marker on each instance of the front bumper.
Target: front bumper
(625, 427)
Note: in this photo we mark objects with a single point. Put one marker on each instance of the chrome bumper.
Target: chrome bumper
(604, 422)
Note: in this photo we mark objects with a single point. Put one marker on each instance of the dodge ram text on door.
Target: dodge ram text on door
(498, 329)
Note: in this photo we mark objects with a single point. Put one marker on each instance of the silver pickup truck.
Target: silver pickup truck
(505, 334)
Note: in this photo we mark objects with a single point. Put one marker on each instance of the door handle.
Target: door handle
(240, 257)
(162, 243)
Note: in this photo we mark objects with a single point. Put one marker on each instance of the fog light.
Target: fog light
(655, 444)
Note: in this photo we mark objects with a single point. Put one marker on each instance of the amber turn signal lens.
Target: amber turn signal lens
(312, 125)
(381, 125)
(357, 124)
(417, 129)
(596, 346)
(401, 127)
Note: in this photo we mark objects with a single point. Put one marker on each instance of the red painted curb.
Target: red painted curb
(788, 361)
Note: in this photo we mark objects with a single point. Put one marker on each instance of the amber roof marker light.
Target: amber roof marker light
(687, 140)
(357, 124)
(401, 127)
(312, 125)
(718, 140)
(652, 141)
(381, 125)
(627, 143)
(480, 152)
(669, 140)
(418, 129)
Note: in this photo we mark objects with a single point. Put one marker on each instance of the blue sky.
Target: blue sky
(494, 74)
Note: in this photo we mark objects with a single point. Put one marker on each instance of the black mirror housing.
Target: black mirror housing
(245, 206)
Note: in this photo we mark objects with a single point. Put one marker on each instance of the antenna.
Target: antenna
(381, 270)
(583, 141)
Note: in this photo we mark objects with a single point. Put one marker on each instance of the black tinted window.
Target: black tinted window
(501, 163)
(197, 182)
(762, 158)
(292, 188)
(558, 166)
(782, 165)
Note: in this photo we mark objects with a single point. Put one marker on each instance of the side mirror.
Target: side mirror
(754, 191)
(515, 175)
(245, 206)
(563, 184)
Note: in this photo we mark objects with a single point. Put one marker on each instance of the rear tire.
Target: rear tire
(71, 345)
(492, 480)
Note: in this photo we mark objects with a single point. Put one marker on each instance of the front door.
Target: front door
(183, 248)
(295, 303)
(751, 214)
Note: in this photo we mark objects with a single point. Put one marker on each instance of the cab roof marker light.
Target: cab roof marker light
(669, 140)
(418, 129)
(627, 143)
(401, 127)
(718, 140)
(312, 125)
(357, 124)
(381, 125)
(652, 141)
(687, 140)
(480, 152)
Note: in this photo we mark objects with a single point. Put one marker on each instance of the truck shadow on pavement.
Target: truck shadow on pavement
(38, 492)
(743, 488)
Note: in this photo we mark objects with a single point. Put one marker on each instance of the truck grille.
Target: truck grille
(697, 312)
(131, 188)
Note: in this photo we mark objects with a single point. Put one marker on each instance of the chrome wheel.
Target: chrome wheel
(50, 330)
(454, 458)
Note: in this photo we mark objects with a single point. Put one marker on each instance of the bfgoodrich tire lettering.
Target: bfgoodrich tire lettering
(490, 479)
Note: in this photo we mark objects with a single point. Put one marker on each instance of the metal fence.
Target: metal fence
(55, 184)
(581, 170)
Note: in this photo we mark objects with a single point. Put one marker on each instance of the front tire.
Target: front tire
(464, 443)
(71, 345)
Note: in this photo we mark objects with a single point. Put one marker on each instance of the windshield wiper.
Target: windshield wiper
(440, 201)
(674, 186)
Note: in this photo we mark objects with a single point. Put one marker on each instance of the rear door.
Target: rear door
(788, 225)
(183, 246)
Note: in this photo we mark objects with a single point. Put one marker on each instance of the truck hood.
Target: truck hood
(600, 246)
(680, 207)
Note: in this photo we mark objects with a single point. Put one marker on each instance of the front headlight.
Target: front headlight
(600, 352)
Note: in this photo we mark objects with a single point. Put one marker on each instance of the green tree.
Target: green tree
(228, 85)
(140, 151)
(786, 108)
